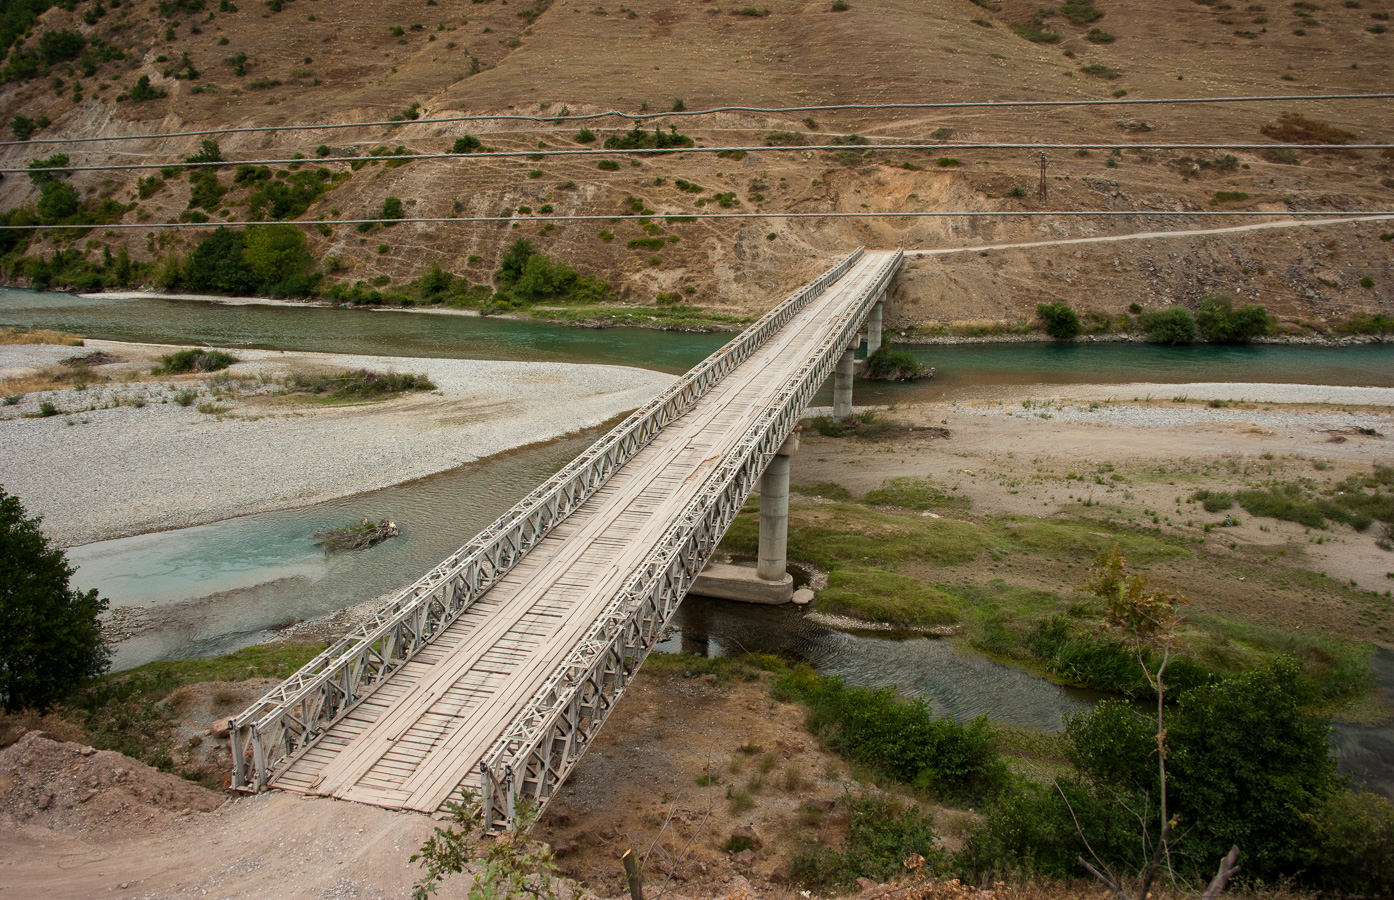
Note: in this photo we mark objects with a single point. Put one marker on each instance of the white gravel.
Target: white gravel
(100, 470)
(1158, 405)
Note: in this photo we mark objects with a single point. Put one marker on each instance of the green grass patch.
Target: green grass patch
(909, 492)
(1058, 539)
(844, 534)
(880, 596)
(827, 490)
(746, 667)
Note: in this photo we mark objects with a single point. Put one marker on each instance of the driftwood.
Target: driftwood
(356, 537)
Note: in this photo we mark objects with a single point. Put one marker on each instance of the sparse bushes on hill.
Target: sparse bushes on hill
(639, 139)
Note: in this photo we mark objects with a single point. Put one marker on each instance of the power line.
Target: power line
(408, 157)
(644, 117)
(674, 218)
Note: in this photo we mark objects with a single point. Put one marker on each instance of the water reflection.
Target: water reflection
(954, 684)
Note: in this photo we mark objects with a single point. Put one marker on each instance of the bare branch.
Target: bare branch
(1228, 867)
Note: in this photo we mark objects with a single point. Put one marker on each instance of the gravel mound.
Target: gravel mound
(67, 786)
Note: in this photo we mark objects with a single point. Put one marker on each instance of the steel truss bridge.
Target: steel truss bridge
(489, 676)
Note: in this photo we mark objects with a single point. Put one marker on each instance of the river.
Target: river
(232, 583)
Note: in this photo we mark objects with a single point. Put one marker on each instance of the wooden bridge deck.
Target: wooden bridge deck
(416, 741)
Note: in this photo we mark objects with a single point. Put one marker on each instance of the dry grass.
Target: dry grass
(52, 378)
(39, 336)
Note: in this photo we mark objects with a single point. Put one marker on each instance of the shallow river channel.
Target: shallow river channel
(214, 588)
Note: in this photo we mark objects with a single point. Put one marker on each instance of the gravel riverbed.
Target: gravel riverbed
(123, 457)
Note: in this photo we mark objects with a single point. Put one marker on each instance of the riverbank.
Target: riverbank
(112, 456)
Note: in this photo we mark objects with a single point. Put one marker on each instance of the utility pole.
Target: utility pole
(1043, 178)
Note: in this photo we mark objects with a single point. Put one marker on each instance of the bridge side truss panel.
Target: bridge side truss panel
(549, 737)
(282, 724)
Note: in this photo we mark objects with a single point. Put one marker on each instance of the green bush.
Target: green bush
(467, 144)
(50, 637)
(1221, 323)
(143, 91)
(1354, 846)
(392, 209)
(1214, 501)
(890, 364)
(1172, 325)
(1247, 765)
(900, 737)
(608, 165)
(639, 139)
(526, 277)
(1061, 322)
(360, 384)
(193, 360)
(882, 833)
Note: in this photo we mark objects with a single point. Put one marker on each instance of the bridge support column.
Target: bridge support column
(774, 514)
(842, 386)
(873, 327)
(769, 582)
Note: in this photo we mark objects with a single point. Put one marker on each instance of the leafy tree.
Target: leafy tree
(1061, 322)
(57, 201)
(392, 209)
(60, 46)
(144, 91)
(467, 144)
(23, 127)
(276, 253)
(216, 265)
(50, 639)
(1173, 325)
(1221, 323)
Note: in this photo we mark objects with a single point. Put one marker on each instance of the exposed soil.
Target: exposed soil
(348, 64)
(1049, 459)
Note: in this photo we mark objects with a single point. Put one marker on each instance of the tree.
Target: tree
(50, 639)
(1173, 325)
(1148, 619)
(1221, 323)
(276, 252)
(1061, 322)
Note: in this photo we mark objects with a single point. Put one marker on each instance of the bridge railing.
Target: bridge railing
(549, 736)
(287, 719)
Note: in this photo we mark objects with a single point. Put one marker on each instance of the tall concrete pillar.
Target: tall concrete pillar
(873, 327)
(774, 514)
(842, 386)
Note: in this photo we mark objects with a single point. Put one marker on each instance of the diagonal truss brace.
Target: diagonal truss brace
(545, 741)
(282, 724)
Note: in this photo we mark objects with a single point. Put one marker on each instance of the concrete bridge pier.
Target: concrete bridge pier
(842, 385)
(873, 327)
(769, 582)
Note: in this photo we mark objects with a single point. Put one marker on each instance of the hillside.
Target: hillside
(333, 61)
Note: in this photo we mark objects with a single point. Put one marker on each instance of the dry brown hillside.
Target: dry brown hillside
(339, 61)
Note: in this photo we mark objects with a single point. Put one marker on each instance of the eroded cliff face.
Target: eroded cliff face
(332, 61)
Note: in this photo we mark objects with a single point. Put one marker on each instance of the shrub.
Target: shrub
(1081, 12)
(23, 127)
(639, 139)
(1096, 70)
(526, 276)
(1220, 322)
(840, 6)
(882, 835)
(889, 364)
(60, 46)
(1099, 36)
(585, 136)
(50, 637)
(392, 209)
(783, 139)
(1228, 197)
(143, 91)
(899, 737)
(1172, 325)
(1214, 501)
(1294, 129)
(608, 165)
(1061, 322)
(467, 144)
(193, 360)
(1355, 846)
